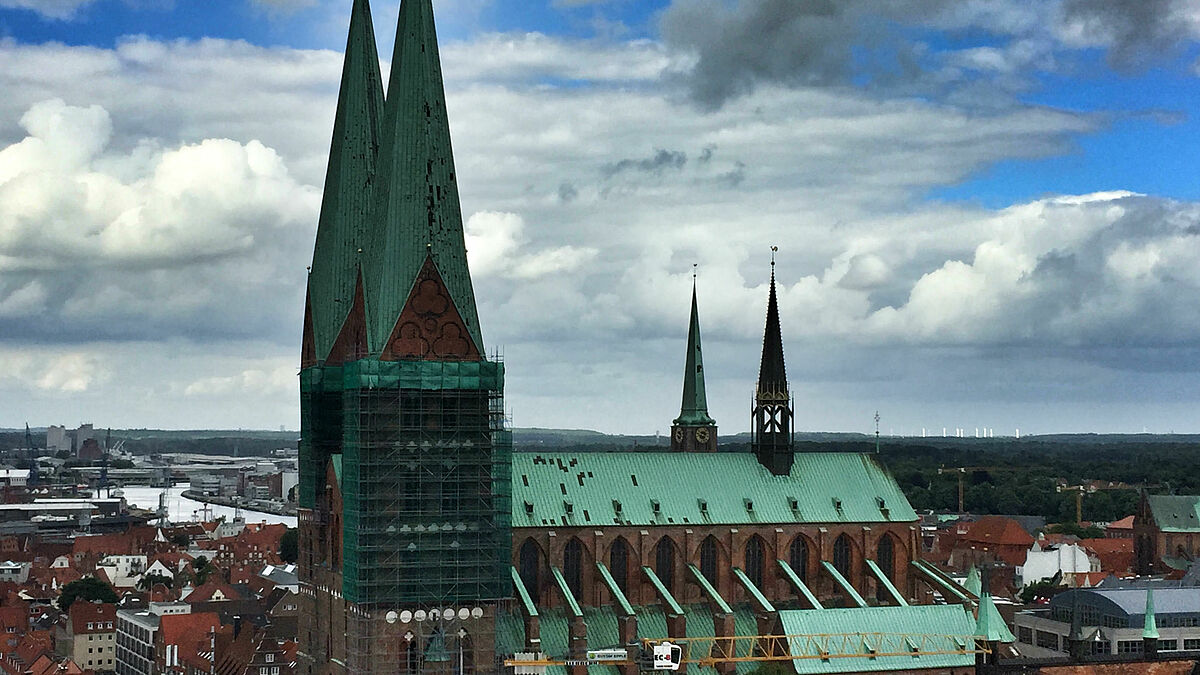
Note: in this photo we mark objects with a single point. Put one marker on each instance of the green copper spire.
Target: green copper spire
(348, 183)
(1150, 629)
(416, 212)
(990, 625)
(694, 411)
(973, 583)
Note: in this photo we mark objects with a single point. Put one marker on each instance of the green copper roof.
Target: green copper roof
(1175, 513)
(990, 626)
(1150, 628)
(694, 410)
(622, 488)
(973, 583)
(885, 627)
(348, 182)
(416, 211)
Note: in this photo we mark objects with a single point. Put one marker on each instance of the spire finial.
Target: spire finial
(695, 271)
(774, 250)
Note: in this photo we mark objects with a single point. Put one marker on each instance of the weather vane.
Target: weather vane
(694, 270)
(774, 249)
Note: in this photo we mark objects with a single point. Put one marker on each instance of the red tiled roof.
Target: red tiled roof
(101, 615)
(998, 531)
(186, 630)
(205, 592)
(1125, 523)
(1115, 555)
(105, 544)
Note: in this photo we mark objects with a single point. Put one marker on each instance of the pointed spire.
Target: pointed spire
(416, 214)
(990, 626)
(973, 583)
(1150, 628)
(772, 375)
(348, 196)
(694, 410)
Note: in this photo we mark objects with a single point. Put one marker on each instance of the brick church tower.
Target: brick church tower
(405, 463)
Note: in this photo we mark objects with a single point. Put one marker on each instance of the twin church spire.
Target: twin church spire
(771, 437)
(389, 277)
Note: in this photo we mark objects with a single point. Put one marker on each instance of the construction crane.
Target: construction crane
(961, 471)
(651, 655)
(1080, 490)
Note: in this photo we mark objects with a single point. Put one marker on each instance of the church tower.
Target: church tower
(771, 432)
(694, 430)
(405, 462)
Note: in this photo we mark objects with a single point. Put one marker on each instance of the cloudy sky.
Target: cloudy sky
(987, 211)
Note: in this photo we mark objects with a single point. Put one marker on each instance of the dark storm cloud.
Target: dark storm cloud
(810, 43)
(1138, 32)
(656, 163)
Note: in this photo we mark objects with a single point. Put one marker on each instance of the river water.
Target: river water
(182, 509)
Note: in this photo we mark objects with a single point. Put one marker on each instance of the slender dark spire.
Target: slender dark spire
(416, 216)
(694, 411)
(771, 438)
(348, 184)
(772, 374)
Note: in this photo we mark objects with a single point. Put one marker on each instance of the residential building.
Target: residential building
(1045, 561)
(183, 640)
(89, 635)
(137, 632)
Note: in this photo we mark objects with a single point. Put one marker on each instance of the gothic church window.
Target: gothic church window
(664, 562)
(754, 561)
(798, 557)
(530, 568)
(618, 564)
(842, 555)
(573, 566)
(708, 559)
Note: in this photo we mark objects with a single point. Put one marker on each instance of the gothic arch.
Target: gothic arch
(667, 563)
(754, 560)
(889, 555)
(709, 556)
(622, 562)
(531, 563)
(574, 560)
(800, 555)
(843, 555)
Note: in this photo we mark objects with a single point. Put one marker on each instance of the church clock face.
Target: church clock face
(702, 435)
(678, 434)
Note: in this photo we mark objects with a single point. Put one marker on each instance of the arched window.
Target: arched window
(798, 557)
(754, 561)
(573, 566)
(618, 564)
(664, 563)
(841, 555)
(885, 556)
(708, 559)
(530, 568)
